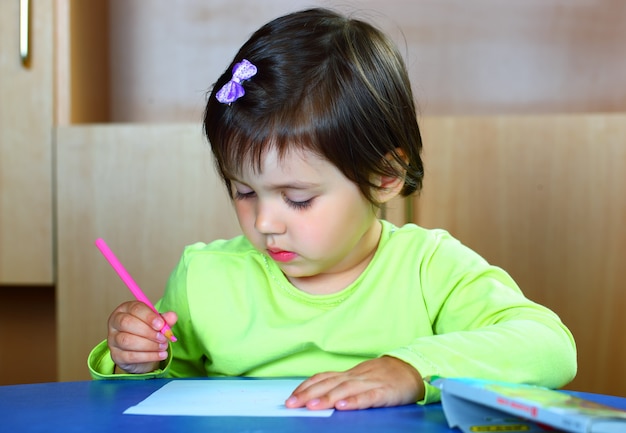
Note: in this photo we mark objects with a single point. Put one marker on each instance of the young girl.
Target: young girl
(313, 128)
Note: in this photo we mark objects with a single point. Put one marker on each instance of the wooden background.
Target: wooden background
(522, 108)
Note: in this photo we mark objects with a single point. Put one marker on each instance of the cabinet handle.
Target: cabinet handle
(24, 31)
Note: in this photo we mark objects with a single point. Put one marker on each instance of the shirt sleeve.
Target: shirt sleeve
(483, 326)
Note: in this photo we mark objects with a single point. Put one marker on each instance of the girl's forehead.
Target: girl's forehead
(295, 164)
(289, 159)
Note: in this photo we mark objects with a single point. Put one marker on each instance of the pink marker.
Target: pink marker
(130, 283)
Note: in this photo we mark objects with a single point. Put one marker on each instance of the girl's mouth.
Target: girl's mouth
(281, 255)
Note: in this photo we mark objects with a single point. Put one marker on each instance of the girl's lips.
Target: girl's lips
(281, 256)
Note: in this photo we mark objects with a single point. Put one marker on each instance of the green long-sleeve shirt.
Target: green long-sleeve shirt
(424, 298)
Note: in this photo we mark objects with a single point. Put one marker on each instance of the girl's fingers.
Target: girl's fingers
(313, 392)
(125, 357)
(136, 354)
(134, 338)
(170, 317)
(313, 380)
(137, 343)
(138, 319)
(379, 382)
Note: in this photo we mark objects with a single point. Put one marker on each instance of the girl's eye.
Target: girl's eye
(244, 195)
(299, 205)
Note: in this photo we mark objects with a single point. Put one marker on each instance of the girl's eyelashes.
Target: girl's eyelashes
(294, 204)
(244, 195)
(299, 205)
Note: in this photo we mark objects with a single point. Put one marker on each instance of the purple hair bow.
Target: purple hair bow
(233, 90)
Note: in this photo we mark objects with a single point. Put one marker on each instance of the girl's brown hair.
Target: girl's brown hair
(328, 84)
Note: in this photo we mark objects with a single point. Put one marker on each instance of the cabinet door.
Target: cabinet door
(26, 110)
(148, 191)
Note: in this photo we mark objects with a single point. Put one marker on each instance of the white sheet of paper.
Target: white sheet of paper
(224, 398)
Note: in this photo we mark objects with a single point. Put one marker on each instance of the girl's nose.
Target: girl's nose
(268, 220)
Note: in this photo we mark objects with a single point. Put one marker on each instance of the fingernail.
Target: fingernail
(161, 338)
(314, 402)
(163, 346)
(157, 324)
(291, 401)
(342, 404)
(162, 355)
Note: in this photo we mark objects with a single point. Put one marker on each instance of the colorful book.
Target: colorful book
(475, 405)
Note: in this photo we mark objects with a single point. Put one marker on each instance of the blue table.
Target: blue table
(97, 407)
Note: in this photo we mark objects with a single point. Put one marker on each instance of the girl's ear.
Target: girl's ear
(390, 186)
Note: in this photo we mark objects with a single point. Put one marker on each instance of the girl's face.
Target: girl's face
(309, 218)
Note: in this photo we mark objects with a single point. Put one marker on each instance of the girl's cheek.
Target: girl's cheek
(246, 222)
(244, 213)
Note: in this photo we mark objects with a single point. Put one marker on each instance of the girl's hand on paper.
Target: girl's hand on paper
(135, 340)
(379, 382)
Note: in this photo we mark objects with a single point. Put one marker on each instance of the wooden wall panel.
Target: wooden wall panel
(545, 198)
(148, 191)
(478, 57)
